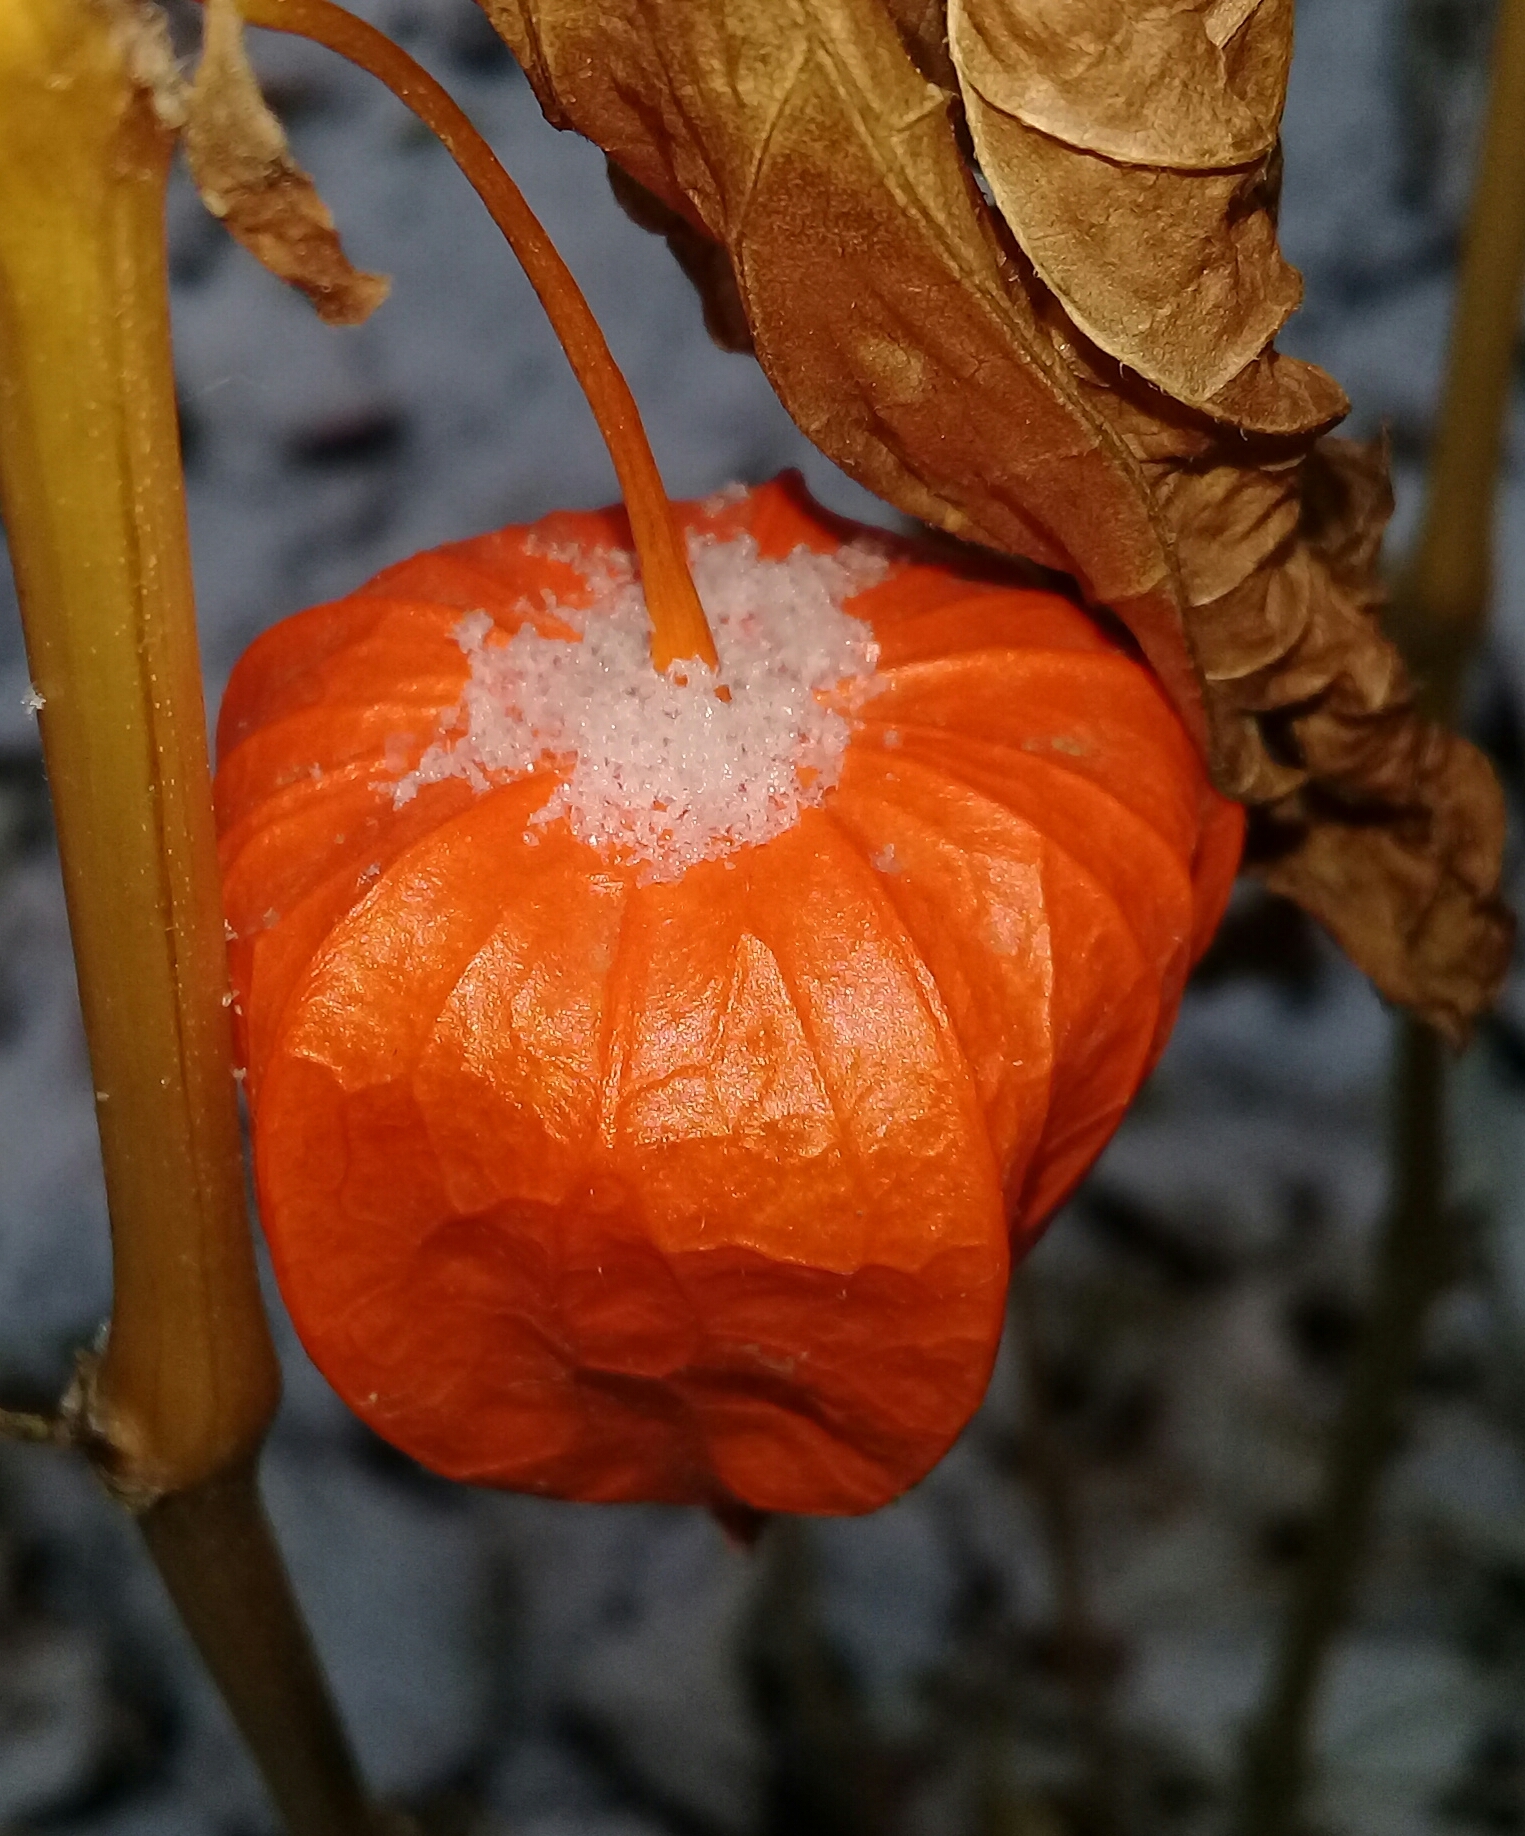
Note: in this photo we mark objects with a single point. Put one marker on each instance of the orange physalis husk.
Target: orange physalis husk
(705, 1189)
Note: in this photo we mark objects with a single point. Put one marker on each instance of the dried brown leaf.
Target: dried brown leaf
(1415, 901)
(1381, 824)
(1390, 830)
(246, 176)
(1281, 396)
(807, 161)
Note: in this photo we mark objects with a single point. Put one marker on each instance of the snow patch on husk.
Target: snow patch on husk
(658, 768)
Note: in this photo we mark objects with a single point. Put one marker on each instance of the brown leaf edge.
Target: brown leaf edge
(1394, 839)
(703, 261)
(247, 178)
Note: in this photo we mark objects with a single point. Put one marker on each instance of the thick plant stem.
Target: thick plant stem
(214, 1548)
(1438, 615)
(173, 1412)
(89, 469)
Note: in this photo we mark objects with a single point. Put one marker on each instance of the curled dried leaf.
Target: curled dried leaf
(1179, 275)
(1409, 893)
(1385, 827)
(1281, 396)
(1134, 156)
(1195, 84)
(246, 176)
(1381, 824)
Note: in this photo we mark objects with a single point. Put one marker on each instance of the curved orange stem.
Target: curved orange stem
(679, 628)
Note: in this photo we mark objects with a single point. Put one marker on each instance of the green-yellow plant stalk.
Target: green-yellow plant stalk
(1446, 589)
(91, 491)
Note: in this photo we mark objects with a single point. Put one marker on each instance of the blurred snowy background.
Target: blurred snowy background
(517, 1665)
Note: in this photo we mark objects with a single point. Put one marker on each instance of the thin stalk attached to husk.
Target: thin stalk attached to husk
(1439, 612)
(173, 1411)
(680, 629)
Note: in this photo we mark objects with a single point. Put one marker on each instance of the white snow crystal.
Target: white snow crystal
(660, 769)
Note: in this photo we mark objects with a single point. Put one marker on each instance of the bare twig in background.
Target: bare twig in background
(26, 1425)
(1414, 1260)
(1083, 1655)
(1442, 600)
(1438, 616)
(830, 1775)
(174, 1410)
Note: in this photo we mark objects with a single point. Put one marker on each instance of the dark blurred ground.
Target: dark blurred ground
(563, 1671)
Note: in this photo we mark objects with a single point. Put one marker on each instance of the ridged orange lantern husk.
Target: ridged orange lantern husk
(704, 1190)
